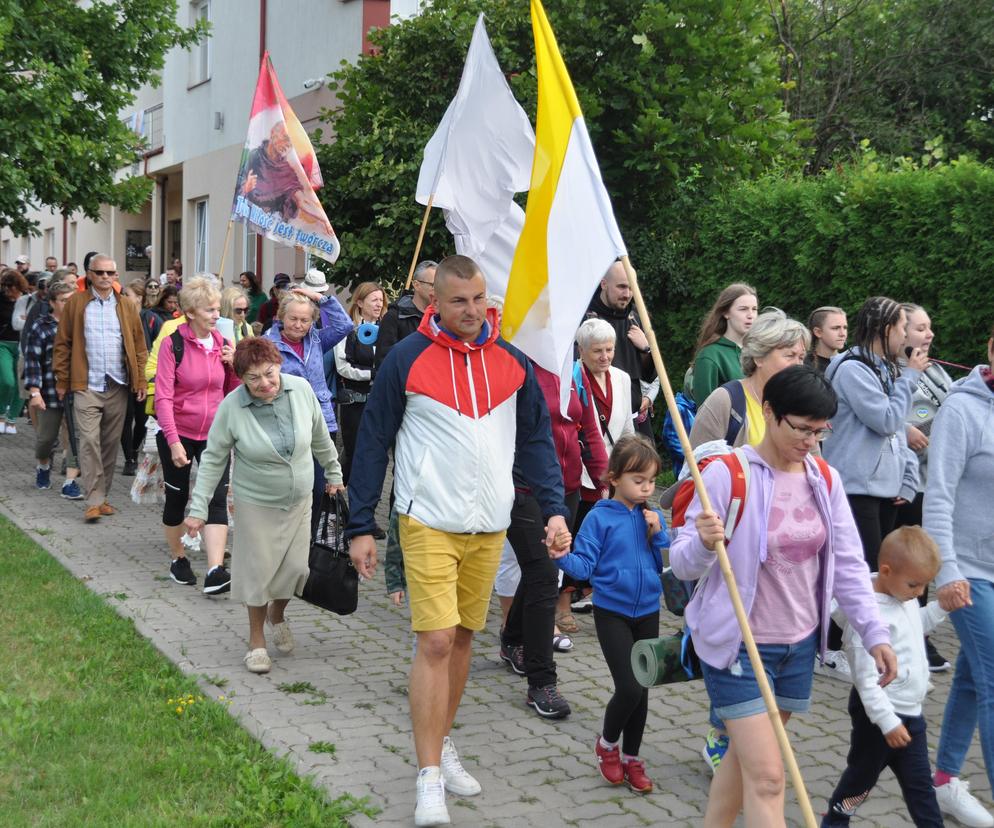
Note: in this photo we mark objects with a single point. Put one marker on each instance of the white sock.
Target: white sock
(604, 743)
(625, 758)
(46, 467)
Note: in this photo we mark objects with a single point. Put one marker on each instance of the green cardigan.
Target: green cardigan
(260, 475)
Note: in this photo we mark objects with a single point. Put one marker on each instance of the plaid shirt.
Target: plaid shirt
(38, 371)
(104, 343)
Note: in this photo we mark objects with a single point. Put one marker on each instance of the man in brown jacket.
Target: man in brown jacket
(99, 358)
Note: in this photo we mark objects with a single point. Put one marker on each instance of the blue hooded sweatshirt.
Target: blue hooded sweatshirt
(869, 445)
(612, 551)
(960, 488)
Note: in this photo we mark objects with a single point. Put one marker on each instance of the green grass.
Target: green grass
(98, 729)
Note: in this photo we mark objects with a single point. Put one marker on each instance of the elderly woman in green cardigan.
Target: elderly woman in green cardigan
(274, 423)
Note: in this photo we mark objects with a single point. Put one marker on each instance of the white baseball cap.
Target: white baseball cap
(22, 259)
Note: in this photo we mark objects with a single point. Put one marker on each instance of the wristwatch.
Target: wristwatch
(35, 393)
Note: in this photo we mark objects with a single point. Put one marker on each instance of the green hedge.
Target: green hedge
(915, 234)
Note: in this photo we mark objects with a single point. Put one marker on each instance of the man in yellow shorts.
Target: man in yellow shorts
(462, 408)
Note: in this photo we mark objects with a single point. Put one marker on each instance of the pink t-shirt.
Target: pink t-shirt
(786, 607)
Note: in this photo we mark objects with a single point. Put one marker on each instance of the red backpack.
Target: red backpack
(738, 468)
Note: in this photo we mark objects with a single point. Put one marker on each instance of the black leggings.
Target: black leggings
(875, 517)
(910, 514)
(627, 710)
(349, 416)
(177, 481)
(133, 433)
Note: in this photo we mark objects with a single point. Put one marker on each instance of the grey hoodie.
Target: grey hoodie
(959, 496)
(869, 444)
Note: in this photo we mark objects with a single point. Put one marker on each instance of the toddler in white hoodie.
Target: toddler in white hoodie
(888, 729)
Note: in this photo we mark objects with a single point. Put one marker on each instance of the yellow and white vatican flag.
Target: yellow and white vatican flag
(570, 237)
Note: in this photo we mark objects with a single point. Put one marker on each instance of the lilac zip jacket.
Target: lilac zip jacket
(844, 574)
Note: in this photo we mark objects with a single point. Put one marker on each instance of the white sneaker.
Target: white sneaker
(431, 808)
(955, 800)
(457, 780)
(836, 666)
(10, 428)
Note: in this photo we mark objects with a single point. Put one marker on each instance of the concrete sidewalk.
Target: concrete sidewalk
(533, 772)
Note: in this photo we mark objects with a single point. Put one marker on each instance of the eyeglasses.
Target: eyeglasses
(104, 272)
(807, 433)
(240, 310)
(423, 282)
(254, 379)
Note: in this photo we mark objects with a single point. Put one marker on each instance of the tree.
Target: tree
(66, 72)
(898, 73)
(673, 92)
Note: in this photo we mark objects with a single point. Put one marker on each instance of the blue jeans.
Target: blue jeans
(789, 668)
(971, 698)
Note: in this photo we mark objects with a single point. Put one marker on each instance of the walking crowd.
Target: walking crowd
(844, 481)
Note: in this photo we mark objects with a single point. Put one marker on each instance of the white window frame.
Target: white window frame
(202, 235)
(249, 249)
(201, 54)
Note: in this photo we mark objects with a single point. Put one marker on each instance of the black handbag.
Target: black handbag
(333, 583)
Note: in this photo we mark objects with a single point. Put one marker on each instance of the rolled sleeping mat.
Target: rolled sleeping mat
(657, 661)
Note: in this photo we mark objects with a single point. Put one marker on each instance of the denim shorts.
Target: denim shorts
(789, 668)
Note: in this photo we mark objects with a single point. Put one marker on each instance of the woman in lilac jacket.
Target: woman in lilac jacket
(303, 347)
(794, 548)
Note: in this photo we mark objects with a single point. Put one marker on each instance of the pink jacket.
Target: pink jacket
(187, 398)
(845, 575)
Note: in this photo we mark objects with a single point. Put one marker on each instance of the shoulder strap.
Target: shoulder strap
(738, 468)
(736, 417)
(179, 346)
(825, 469)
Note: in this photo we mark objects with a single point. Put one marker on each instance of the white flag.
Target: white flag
(479, 157)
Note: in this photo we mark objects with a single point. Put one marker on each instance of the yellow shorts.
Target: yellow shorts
(449, 576)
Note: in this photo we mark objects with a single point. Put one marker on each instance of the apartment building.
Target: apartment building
(195, 123)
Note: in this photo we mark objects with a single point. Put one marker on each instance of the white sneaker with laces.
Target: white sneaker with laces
(956, 801)
(457, 780)
(10, 428)
(431, 809)
(836, 666)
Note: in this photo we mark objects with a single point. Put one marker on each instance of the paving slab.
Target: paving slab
(352, 674)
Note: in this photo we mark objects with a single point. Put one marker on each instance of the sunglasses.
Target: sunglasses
(104, 272)
(240, 310)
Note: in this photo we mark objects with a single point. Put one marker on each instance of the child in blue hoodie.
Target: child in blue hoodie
(619, 550)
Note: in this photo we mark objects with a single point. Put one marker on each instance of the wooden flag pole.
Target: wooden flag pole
(224, 251)
(421, 238)
(726, 570)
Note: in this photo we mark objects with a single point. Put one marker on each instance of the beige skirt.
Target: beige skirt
(270, 552)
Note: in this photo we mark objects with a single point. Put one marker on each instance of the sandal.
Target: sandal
(567, 623)
(562, 643)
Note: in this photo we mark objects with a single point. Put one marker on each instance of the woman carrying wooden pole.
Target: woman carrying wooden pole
(719, 813)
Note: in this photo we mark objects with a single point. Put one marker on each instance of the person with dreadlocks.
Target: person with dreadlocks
(869, 445)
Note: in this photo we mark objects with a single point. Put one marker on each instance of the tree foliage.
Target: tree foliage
(672, 92)
(895, 72)
(66, 72)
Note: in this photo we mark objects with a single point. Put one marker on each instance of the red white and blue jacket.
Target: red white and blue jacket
(460, 416)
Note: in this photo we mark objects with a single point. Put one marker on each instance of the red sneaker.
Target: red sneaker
(609, 763)
(634, 770)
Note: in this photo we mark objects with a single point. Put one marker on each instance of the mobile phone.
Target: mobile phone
(909, 351)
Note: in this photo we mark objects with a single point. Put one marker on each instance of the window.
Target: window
(49, 244)
(202, 244)
(151, 127)
(248, 257)
(200, 55)
(6, 253)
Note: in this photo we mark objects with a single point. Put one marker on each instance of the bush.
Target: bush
(916, 234)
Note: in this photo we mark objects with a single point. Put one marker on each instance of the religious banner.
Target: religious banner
(279, 175)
